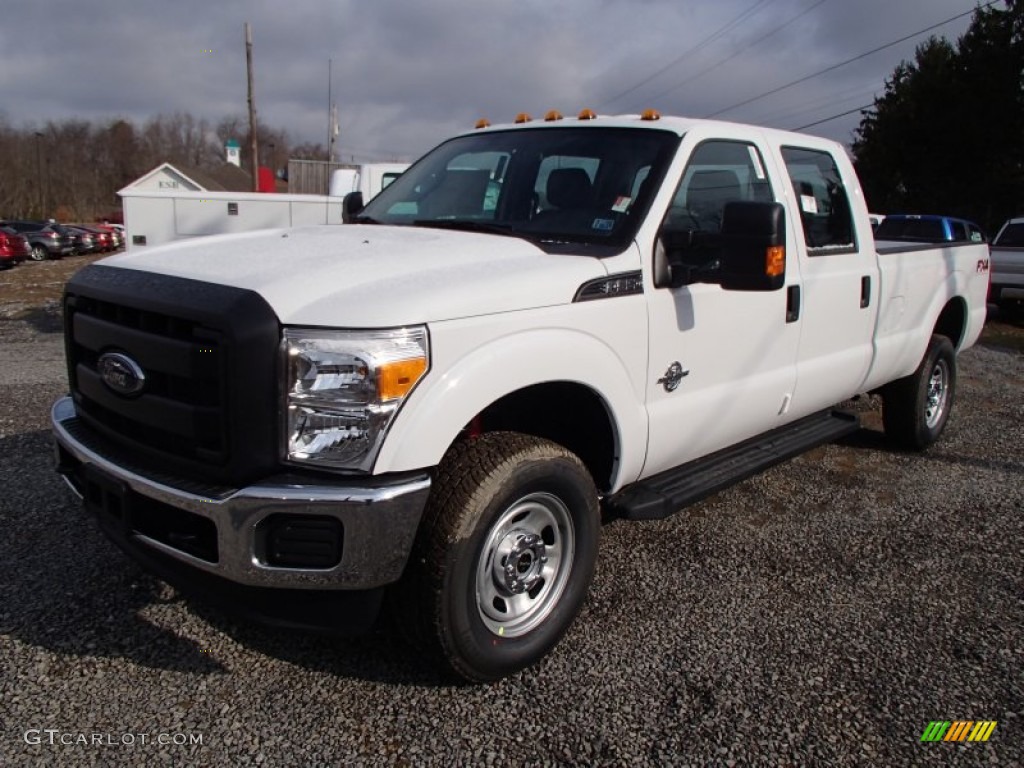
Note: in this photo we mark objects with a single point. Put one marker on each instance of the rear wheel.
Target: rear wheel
(39, 253)
(504, 557)
(915, 408)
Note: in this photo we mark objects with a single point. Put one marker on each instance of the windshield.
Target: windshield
(551, 185)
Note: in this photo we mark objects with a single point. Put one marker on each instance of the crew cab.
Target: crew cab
(1008, 263)
(536, 321)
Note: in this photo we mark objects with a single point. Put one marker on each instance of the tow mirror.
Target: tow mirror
(351, 206)
(753, 247)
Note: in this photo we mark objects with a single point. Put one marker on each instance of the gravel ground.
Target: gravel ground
(819, 614)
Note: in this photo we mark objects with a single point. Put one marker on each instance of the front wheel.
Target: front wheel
(504, 557)
(915, 408)
(39, 253)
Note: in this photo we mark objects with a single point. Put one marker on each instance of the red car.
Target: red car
(14, 248)
(102, 240)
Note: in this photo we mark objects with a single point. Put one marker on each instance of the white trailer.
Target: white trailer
(155, 216)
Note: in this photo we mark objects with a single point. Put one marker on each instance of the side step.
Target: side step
(661, 495)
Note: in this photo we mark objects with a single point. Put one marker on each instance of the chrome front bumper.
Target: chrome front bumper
(378, 517)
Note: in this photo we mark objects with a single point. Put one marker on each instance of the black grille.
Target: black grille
(208, 352)
(180, 410)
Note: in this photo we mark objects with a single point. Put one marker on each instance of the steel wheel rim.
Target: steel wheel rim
(524, 565)
(937, 394)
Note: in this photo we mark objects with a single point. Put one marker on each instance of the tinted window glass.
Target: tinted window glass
(551, 185)
(719, 172)
(1012, 236)
(822, 200)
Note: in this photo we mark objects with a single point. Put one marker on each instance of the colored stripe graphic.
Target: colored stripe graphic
(959, 730)
(935, 731)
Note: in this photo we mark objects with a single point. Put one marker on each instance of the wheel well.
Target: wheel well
(952, 321)
(569, 414)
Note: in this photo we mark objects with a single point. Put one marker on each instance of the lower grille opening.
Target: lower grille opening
(300, 541)
(184, 531)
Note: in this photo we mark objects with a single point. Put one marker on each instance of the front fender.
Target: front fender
(466, 378)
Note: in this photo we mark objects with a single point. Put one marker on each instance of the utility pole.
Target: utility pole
(252, 111)
(39, 175)
(330, 105)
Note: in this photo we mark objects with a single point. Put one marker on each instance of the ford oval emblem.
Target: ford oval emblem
(120, 373)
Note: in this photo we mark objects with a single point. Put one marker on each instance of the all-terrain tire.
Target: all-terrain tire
(504, 556)
(915, 409)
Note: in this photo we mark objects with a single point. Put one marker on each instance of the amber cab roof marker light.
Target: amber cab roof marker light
(587, 114)
(483, 122)
(650, 114)
(522, 117)
(552, 115)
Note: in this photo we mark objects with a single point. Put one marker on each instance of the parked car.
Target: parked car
(14, 248)
(45, 241)
(904, 227)
(84, 242)
(103, 240)
(117, 235)
(1007, 283)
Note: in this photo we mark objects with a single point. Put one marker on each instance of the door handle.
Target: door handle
(792, 303)
(865, 291)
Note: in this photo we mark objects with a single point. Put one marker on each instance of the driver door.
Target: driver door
(722, 364)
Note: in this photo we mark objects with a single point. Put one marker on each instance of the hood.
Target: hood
(366, 276)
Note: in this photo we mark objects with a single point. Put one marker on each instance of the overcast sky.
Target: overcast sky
(408, 74)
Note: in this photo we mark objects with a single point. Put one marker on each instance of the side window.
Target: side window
(822, 200)
(959, 230)
(719, 172)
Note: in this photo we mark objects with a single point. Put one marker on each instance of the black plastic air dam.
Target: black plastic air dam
(209, 407)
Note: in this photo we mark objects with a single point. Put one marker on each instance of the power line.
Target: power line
(834, 117)
(702, 44)
(740, 50)
(849, 61)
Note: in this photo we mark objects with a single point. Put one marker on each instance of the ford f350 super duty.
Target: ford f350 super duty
(432, 404)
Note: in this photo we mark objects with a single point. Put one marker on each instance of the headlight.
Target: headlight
(342, 389)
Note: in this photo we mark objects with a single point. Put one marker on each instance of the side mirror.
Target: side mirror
(351, 206)
(753, 247)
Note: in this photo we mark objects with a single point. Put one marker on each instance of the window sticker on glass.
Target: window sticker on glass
(621, 204)
(755, 160)
(603, 225)
(808, 204)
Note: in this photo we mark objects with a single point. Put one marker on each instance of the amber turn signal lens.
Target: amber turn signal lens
(394, 380)
(775, 261)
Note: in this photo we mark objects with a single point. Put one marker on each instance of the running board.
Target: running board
(661, 495)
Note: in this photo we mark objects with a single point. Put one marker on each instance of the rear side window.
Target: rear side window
(822, 200)
(1012, 236)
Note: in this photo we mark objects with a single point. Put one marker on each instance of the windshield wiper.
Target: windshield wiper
(470, 226)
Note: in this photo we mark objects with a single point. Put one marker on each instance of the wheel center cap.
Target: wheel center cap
(522, 558)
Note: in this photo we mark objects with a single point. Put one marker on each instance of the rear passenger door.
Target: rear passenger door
(838, 282)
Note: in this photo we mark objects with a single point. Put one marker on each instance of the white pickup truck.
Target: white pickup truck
(534, 321)
(1008, 263)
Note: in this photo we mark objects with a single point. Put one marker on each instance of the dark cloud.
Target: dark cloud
(406, 75)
